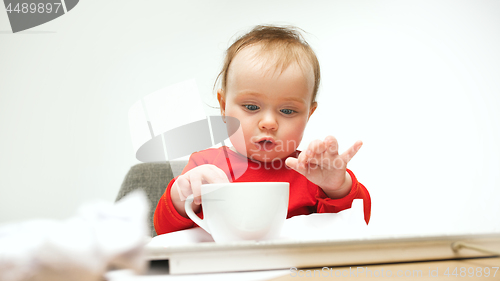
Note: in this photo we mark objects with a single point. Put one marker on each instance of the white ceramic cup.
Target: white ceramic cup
(242, 211)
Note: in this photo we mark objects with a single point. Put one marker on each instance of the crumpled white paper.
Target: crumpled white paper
(84, 247)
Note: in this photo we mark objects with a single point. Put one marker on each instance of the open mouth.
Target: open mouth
(266, 144)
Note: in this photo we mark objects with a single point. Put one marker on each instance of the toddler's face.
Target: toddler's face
(273, 108)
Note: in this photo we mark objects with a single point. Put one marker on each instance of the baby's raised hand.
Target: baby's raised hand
(190, 183)
(321, 164)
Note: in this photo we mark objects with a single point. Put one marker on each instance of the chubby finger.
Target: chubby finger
(204, 174)
(294, 164)
(315, 147)
(213, 174)
(349, 154)
(196, 182)
(332, 145)
(183, 187)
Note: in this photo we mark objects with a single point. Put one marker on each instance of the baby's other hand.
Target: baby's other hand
(190, 182)
(321, 164)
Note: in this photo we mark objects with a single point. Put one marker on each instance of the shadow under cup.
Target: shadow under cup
(242, 211)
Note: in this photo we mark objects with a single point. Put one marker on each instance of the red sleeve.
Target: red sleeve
(166, 218)
(358, 191)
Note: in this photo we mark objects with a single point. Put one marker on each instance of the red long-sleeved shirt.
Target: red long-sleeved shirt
(305, 196)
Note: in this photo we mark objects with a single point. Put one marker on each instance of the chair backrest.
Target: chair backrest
(153, 178)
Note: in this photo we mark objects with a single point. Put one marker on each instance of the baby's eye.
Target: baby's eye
(287, 111)
(251, 107)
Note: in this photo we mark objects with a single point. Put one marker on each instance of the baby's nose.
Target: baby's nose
(268, 122)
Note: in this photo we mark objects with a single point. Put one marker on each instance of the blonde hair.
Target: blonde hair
(284, 43)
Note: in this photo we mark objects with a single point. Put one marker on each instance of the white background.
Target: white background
(417, 81)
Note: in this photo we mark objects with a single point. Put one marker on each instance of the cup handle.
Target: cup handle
(189, 211)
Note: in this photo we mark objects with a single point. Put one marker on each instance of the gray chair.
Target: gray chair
(153, 178)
